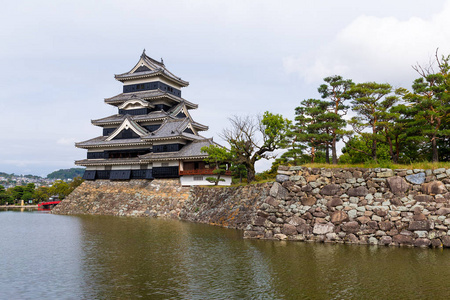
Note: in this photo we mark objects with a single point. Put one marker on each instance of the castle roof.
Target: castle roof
(148, 95)
(148, 67)
(118, 119)
(172, 129)
(101, 141)
(189, 151)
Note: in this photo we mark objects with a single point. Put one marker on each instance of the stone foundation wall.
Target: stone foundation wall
(363, 206)
(156, 198)
(231, 207)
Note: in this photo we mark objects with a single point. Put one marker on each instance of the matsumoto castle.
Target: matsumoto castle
(152, 135)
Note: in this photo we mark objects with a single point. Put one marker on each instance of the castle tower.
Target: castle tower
(153, 134)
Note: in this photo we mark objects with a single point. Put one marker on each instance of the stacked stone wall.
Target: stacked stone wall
(353, 205)
(363, 206)
(156, 198)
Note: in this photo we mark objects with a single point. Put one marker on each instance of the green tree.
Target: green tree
(430, 103)
(4, 196)
(354, 151)
(336, 90)
(41, 194)
(219, 157)
(76, 182)
(312, 125)
(370, 102)
(59, 188)
(245, 132)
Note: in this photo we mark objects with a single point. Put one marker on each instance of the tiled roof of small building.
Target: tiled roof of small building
(148, 95)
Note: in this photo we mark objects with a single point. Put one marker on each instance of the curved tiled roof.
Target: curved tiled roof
(118, 119)
(155, 68)
(148, 95)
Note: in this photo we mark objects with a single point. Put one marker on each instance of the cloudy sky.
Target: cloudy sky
(58, 60)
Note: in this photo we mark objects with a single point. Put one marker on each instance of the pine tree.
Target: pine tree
(335, 90)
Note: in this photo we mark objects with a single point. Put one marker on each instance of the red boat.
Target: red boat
(48, 205)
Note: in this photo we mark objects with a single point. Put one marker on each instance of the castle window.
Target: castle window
(140, 87)
(198, 178)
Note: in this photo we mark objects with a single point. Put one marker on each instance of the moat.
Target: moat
(45, 256)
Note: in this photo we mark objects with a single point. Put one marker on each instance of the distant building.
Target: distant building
(152, 135)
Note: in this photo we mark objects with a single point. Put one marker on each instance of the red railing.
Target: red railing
(201, 172)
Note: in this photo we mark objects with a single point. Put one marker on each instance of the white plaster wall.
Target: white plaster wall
(171, 163)
(187, 180)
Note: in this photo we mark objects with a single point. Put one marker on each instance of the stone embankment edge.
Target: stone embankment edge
(353, 205)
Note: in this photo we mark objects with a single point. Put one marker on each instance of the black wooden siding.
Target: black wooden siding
(167, 148)
(165, 172)
(118, 174)
(151, 86)
(129, 153)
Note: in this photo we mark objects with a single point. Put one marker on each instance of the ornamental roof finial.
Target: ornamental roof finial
(143, 52)
(162, 61)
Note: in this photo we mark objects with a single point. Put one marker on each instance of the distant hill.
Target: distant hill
(66, 173)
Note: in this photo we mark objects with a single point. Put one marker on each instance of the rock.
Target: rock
(304, 229)
(443, 211)
(439, 171)
(422, 242)
(397, 184)
(419, 225)
(403, 239)
(363, 219)
(385, 174)
(308, 201)
(386, 225)
(311, 178)
(250, 234)
(307, 188)
(423, 198)
(433, 188)
(338, 217)
(259, 221)
(446, 241)
(282, 178)
(351, 227)
(289, 229)
(271, 201)
(436, 243)
(295, 220)
(284, 168)
(352, 238)
(323, 228)
(330, 190)
(278, 191)
(330, 236)
(373, 241)
(358, 192)
(385, 240)
(334, 202)
(280, 236)
(353, 213)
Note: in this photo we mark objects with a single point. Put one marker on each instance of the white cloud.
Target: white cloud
(376, 49)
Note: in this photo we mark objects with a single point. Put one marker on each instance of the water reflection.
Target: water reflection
(170, 260)
(45, 256)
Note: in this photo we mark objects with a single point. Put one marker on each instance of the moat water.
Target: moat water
(45, 256)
